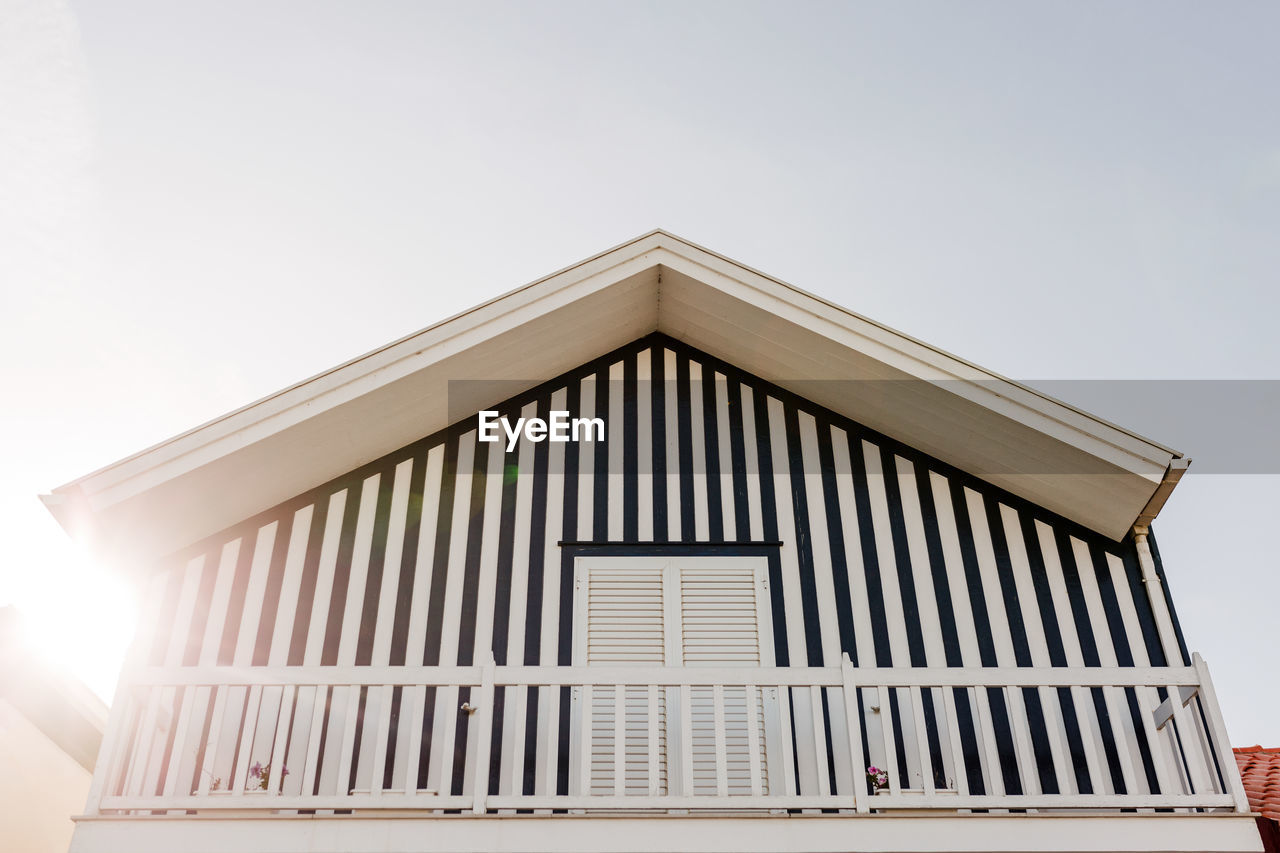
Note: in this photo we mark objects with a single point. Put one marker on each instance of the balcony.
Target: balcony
(495, 740)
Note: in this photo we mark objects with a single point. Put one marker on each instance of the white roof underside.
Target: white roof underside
(174, 494)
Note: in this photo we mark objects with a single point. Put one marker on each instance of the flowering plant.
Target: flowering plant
(877, 778)
(261, 773)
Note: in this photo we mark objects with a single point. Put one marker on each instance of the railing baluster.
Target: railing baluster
(1197, 764)
(853, 725)
(1218, 732)
(282, 735)
(1027, 776)
(958, 764)
(722, 764)
(209, 765)
(995, 773)
(819, 741)
(922, 741)
(887, 735)
(1147, 702)
(1118, 712)
(314, 736)
(588, 739)
(1085, 713)
(1049, 704)
(482, 722)
(788, 753)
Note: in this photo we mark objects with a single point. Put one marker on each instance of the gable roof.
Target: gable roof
(1260, 772)
(161, 499)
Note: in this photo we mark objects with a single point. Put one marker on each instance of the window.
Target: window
(679, 611)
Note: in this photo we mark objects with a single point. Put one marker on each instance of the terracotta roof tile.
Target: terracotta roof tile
(1260, 771)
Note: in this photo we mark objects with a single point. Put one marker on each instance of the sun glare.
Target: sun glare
(79, 618)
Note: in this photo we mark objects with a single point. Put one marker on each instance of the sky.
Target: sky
(201, 203)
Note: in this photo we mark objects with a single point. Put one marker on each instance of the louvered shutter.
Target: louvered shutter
(697, 612)
(626, 624)
(720, 626)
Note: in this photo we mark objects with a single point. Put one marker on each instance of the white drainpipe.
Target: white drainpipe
(1147, 563)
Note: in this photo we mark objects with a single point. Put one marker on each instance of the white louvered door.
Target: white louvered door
(679, 611)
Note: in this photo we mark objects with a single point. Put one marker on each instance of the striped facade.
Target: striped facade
(450, 548)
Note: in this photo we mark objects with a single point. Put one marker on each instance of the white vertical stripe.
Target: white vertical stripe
(858, 602)
(819, 541)
(359, 572)
(1001, 637)
(960, 601)
(1058, 592)
(644, 438)
(549, 701)
(416, 637)
(290, 586)
(324, 578)
(895, 615)
(251, 613)
(587, 451)
(726, 458)
(615, 425)
(754, 514)
(698, 464)
(917, 546)
(1036, 637)
(386, 613)
(674, 533)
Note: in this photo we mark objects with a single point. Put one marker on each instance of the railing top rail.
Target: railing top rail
(829, 676)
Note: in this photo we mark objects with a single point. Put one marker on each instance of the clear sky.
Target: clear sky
(201, 203)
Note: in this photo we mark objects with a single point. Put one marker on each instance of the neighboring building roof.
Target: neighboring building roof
(60, 706)
(174, 494)
(1260, 770)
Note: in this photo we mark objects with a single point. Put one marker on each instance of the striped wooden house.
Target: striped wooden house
(757, 546)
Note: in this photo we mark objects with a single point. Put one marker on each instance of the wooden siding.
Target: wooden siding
(449, 548)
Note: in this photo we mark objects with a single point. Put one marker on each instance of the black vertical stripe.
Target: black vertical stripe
(373, 576)
(1168, 597)
(271, 594)
(600, 499)
(711, 456)
(661, 532)
(506, 556)
(870, 558)
(307, 583)
(341, 577)
(684, 434)
(769, 513)
(408, 564)
(738, 459)
(804, 537)
(902, 560)
(167, 612)
(537, 546)
(471, 560)
(835, 539)
(1141, 604)
(440, 556)
(630, 453)
(938, 568)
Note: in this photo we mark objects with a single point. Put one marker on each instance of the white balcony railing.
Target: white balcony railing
(485, 739)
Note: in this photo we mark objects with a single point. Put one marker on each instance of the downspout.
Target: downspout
(1150, 578)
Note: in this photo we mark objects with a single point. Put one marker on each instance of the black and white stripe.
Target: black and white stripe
(451, 547)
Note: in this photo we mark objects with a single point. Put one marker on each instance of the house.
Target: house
(1260, 771)
(50, 728)
(655, 553)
